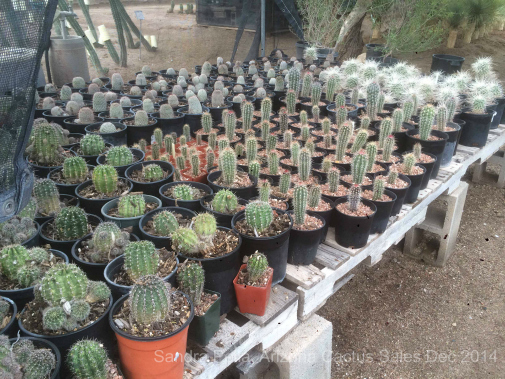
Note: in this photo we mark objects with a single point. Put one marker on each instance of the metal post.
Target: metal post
(263, 28)
(140, 47)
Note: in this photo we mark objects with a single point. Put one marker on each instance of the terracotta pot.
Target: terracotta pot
(252, 299)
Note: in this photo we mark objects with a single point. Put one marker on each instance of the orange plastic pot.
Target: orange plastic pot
(151, 358)
(252, 299)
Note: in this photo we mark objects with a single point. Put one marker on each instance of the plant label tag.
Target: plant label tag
(139, 15)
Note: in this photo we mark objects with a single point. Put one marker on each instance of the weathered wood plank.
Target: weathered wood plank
(228, 338)
(330, 257)
(305, 276)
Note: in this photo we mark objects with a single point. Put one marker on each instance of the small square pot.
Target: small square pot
(252, 299)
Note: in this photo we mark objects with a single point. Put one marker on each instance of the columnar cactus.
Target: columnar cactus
(149, 300)
(266, 108)
(258, 215)
(210, 157)
(191, 278)
(254, 168)
(331, 87)
(333, 180)
(87, 359)
(285, 183)
(386, 128)
(47, 196)
(279, 83)
(194, 105)
(63, 282)
(230, 124)
(287, 139)
(165, 223)
(271, 142)
(105, 179)
(251, 149)
(283, 119)
(65, 93)
(228, 165)
(273, 163)
(417, 151)
(295, 153)
(388, 148)
(148, 106)
(217, 99)
(392, 176)
(452, 105)
(365, 122)
(247, 110)
(328, 141)
(108, 127)
(359, 141)
(371, 151)
(305, 164)
(117, 82)
(397, 120)
(316, 113)
(358, 167)
(354, 197)
(291, 102)
(257, 266)
(344, 136)
(206, 122)
(300, 196)
(141, 258)
(409, 161)
(293, 78)
(12, 258)
(341, 116)
(125, 101)
(304, 118)
(131, 206)
(426, 118)
(180, 162)
(314, 196)
(99, 102)
(408, 110)
(71, 223)
(140, 80)
(141, 118)
(442, 116)
(372, 100)
(306, 85)
(92, 144)
(378, 189)
(85, 116)
(119, 156)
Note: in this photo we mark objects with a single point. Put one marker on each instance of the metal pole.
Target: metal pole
(263, 28)
(140, 47)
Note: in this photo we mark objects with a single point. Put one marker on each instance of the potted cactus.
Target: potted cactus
(140, 258)
(104, 186)
(90, 92)
(121, 158)
(112, 132)
(253, 285)
(67, 307)
(432, 141)
(184, 194)
(216, 105)
(223, 205)
(88, 359)
(445, 123)
(118, 111)
(415, 172)
(239, 182)
(193, 113)
(73, 172)
(221, 261)
(354, 217)
(168, 120)
(49, 201)
(141, 127)
(265, 229)
(8, 312)
(127, 210)
(427, 160)
(308, 229)
(148, 176)
(142, 331)
(84, 118)
(384, 200)
(477, 122)
(31, 358)
(397, 183)
(207, 126)
(94, 251)
(90, 147)
(191, 279)
(69, 225)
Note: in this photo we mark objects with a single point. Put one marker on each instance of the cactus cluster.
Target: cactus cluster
(24, 360)
(224, 201)
(107, 241)
(45, 148)
(257, 266)
(16, 230)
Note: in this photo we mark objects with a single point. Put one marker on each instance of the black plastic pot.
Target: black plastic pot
(115, 139)
(98, 330)
(193, 120)
(400, 195)
(66, 189)
(65, 246)
(150, 188)
(352, 231)
(220, 272)
(40, 343)
(446, 63)
(169, 125)
(222, 219)
(244, 193)
(433, 147)
(203, 328)
(72, 127)
(94, 206)
(217, 113)
(384, 209)
(500, 107)
(136, 133)
(429, 169)
(11, 328)
(60, 120)
(118, 290)
(194, 205)
(41, 171)
(90, 159)
(303, 244)
(160, 242)
(275, 248)
(327, 215)
(401, 138)
(24, 295)
(137, 153)
(415, 186)
(71, 201)
(451, 145)
(374, 51)
(476, 129)
(332, 113)
(308, 108)
(33, 240)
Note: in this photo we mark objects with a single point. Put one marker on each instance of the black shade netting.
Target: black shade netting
(25, 26)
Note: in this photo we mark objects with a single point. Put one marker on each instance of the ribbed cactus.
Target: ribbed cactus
(388, 148)
(152, 172)
(53, 318)
(358, 167)
(305, 164)
(344, 136)
(371, 151)
(12, 258)
(251, 149)
(141, 258)
(65, 93)
(247, 110)
(291, 102)
(341, 116)
(271, 142)
(183, 192)
(300, 196)
(180, 162)
(316, 92)
(331, 87)
(87, 359)
(142, 145)
(452, 105)
(92, 144)
(257, 266)
(359, 141)
(314, 196)
(85, 116)
(117, 82)
(141, 118)
(304, 118)
(224, 201)
(38, 254)
(417, 151)
(254, 168)
(191, 278)
(78, 82)
(119, 156)
(408, 110)
(283, 119)
(378, 189)
(165, 223)
(186, 241)
(205, 227)
(149, 300)
(365, 122)
(105, 179)
(99, 102)
(108, 127)
(97, 291)
(372, 100)
(228, 165)
(71, 223)
(217, 99)
(131, 206)
(266, 108)
(285, 183)
(230, 124)
(63, 282)
(354, 197)
(386, 129)
(409, 161)
(306, 84)
(258, 215)
(397, 119)
(47, 196)
(29, 211)
(293, 78)
(442, 117)
(125, 101)
(392, 176)
(45, 148)
(166, 111)
(279, 83)
(333, 180)
(426, 118)
(295, 153)
(194, 105)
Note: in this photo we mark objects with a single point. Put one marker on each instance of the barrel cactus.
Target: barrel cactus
(258, 215)
(131, 206)
(71, 223)
(12, 258)
(47, 196)
(87, 359)
(224, 201)
(105, 179)
(257, 266)
(165, 223)
(141, 258)
(85, 116)
(119, 156)
(152, 172)
(92, 144)
(64, 282)
(186, 241)
(141, 118)
(149, 300)
(108, 127)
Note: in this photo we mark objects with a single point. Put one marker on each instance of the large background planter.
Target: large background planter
(448, 64)
(150, 188)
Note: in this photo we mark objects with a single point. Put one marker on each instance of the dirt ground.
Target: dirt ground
(400, 306)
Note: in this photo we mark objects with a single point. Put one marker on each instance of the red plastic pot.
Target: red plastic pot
(252, 299)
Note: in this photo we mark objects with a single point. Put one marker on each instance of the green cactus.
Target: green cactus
(333, 180)
(314, 196)
(105, 236)
(359, 141)
(279, 83)
(331, 87)
(38, 254)
(451, 104)
(392, 176)
(186, 241)
(257, 266)
(354, 197)
(30, 210)
(258, 215)
(305, 164)
(40, 364)
(228, 165)
(386, 129)
(191, 278)
(119, 156)
(45, 149)
(71, 223)
(285, 183)
(283, 119)
(341, 116)
(271, 142)
(205, 228)
(206, 122)
(372, 100)
(27, 275)
(97, 291)
(63, 282)
(165, 223)
(92, 144)
(266, 108)
(79, 310)
(183, 192)
(169, 143)
(47, 196)
(344, 136)
(300, 195)
(142, 145)
(230, 124)
(141, 258)
(152, 172)
(442, 116)
(295, 153)
(107, 127)
(105, 179)
(53, 318)
(131, 206)
(224, 201)
(426, 118)
(358, 167)
(116, 111)
(316, 92)
(417, 151)
(254, 168)
(371, 151)
(251, 149)
(409, 161)
(378, 189)
(247, 110)
(22, 350)
(12, 258)
(149, 300)
(365, 122)
(195, 165)
(408, 110)
(180, 162)
(99, 102)
(291, 102)
(210, 156)
(223, 144)
(397, 120)
(87, 359)
(85, 116)
(388, 148)
(306, 85)
(293, 78)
